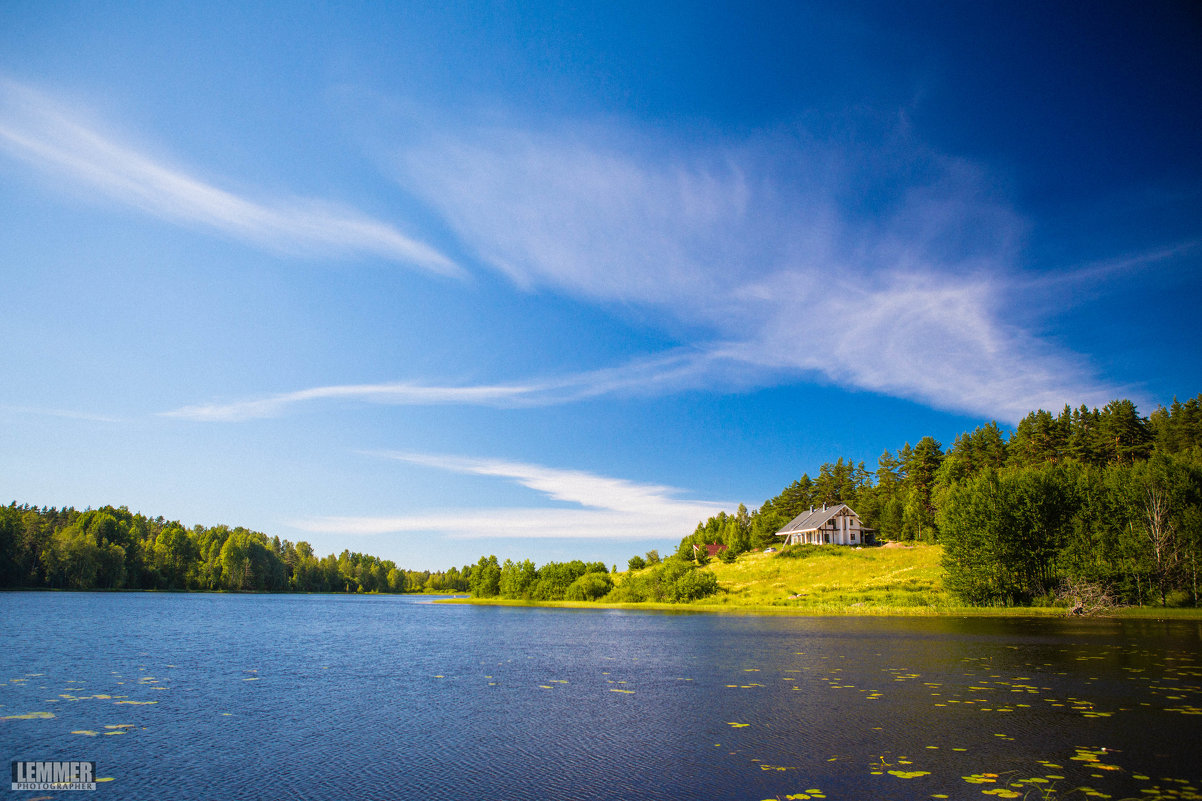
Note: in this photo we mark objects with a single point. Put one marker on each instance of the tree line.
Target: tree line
(111, 548)
(1105, 503)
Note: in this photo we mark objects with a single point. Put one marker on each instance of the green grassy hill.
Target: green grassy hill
(893, 579)
(819, 578)
(829, 579)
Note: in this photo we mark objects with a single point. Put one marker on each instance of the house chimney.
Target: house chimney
(824, 507)
(811, 510)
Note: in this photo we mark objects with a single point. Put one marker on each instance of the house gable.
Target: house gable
(830, 525)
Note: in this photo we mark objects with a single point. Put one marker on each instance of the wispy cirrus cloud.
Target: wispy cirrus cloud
(875, 265)
(38, 129)
(665, 373)
(604, 508)
(64, 414)
(878, 265)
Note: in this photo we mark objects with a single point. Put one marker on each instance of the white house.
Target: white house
(830, 525)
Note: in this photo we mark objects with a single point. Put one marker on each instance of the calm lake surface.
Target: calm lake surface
(333, 697)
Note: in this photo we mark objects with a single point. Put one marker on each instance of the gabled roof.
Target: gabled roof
(814, 519)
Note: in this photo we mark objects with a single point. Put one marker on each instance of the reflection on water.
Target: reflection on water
(235, 696)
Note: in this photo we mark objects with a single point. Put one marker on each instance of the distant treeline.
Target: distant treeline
(1100, 502)
(110, 548)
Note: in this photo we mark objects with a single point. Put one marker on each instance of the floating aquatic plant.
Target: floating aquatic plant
(981, 778)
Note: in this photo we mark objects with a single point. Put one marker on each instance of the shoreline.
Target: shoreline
(1123, 613)
(1041, 612)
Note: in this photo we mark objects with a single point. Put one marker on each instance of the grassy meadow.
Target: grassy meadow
(893, 579)
(818, 578)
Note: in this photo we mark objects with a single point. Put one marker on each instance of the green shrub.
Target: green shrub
(1178, 598)
(693, 585)
(672, 581)
(589, 587)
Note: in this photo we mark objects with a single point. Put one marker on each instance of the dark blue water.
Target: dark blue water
(333, 697)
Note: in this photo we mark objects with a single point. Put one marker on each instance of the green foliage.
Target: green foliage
(517, 579)
(1132, 530)
(552, 582)
(636, 562)
(672, 581)
(691, 585)
(589, 587)
(485, 581)
(554, 578)
(111, 548)
(1069, 500)
(1002, 532)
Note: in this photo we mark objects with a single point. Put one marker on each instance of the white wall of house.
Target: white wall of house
(843, 529)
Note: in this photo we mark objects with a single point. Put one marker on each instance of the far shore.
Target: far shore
(855, 610)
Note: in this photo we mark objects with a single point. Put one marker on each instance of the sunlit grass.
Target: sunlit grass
(834, 579)
(837, 580)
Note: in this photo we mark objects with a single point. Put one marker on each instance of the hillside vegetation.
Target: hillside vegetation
(833, 578)
(1102, 504)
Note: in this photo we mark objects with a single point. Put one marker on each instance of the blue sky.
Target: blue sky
(557, 280)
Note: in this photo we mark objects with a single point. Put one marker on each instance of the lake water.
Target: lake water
(381, 697)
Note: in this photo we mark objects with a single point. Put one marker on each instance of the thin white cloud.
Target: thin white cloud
(37, 129)
(607, 508)
(398, 393)
(1090, 276)
(526, 524)
(665, 373)
(65, 414)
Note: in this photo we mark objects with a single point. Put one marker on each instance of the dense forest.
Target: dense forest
(110, 548)
(1105, 503)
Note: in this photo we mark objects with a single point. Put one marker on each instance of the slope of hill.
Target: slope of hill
(814, 578)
